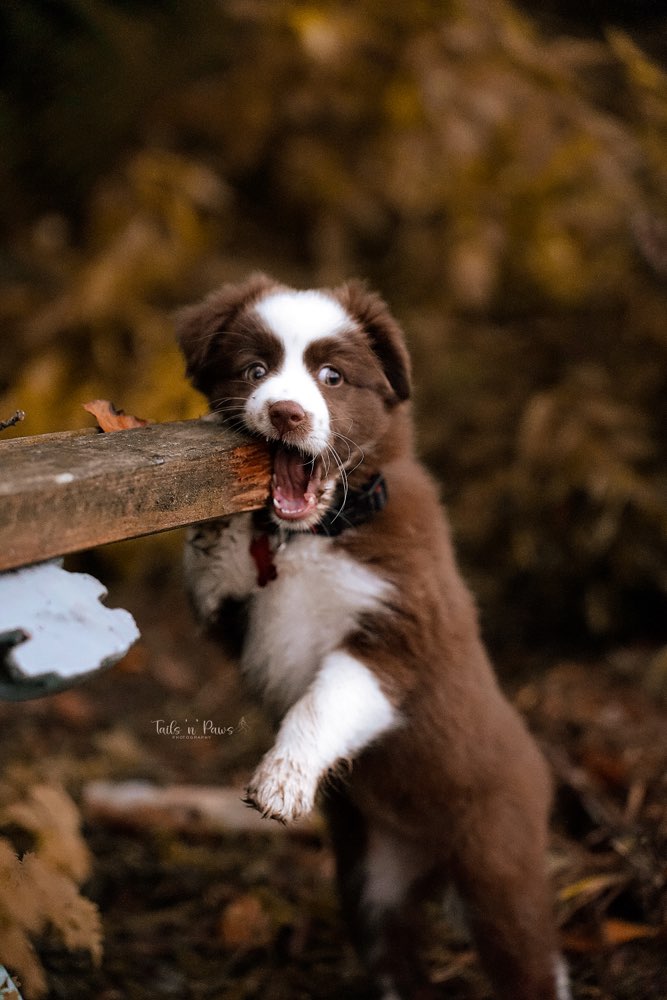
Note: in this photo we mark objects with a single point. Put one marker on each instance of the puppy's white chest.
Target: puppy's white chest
(315, 602)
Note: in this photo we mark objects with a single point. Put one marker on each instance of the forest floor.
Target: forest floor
(238, 915)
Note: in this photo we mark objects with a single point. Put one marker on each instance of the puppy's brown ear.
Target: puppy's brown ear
(385, 335)
(200, 327)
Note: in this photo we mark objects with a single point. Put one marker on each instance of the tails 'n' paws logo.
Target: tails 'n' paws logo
(196, 728)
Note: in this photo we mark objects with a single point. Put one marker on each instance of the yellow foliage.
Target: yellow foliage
(504, 187)
(51, 816)
(39, 892)
(643, 72)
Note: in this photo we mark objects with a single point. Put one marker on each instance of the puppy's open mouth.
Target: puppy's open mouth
(296, 484)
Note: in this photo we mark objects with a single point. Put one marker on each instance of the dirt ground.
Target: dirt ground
(240, 916)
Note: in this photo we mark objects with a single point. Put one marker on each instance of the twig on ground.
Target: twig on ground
(191, 808)
(16, 418)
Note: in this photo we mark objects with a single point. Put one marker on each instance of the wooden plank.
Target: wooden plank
(29, 442)
(67, 492)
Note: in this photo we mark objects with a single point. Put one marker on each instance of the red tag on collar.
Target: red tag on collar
(260, 550)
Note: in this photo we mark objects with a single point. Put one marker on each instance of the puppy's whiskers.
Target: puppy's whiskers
(343, 476)
(351, 446)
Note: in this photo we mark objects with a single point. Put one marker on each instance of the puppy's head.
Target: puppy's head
(319, 374)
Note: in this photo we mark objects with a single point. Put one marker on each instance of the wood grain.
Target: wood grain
(62, 493)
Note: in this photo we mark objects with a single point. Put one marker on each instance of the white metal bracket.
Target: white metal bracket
(54, 630)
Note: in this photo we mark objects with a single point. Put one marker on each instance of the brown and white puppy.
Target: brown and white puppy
(353, 624)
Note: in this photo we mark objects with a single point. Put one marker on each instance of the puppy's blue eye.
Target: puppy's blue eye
(329, 376)
(255, 372)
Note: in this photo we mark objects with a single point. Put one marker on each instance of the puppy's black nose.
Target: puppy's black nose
(286, 415)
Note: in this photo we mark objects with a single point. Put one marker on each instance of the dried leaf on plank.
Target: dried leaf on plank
(111, 419)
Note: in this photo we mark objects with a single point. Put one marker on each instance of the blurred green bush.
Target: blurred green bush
(505, 189)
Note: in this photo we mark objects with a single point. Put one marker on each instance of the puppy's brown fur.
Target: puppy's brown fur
(458, 791)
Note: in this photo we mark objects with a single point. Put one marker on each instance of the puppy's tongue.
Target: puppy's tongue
(296, 482)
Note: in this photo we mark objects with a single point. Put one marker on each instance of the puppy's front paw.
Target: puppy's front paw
(282, 789)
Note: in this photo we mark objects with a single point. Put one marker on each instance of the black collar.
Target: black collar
(352, 509)
(347, 511)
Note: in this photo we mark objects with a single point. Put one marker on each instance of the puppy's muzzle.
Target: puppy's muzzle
(288, 416)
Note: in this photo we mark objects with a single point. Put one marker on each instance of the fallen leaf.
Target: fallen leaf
(591, 886)
(75, 708)
(111, 419)
(611, 769)
(616, 932)
(611, 933)
(245, 924)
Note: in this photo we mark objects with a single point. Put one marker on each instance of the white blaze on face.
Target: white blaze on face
(297, 319)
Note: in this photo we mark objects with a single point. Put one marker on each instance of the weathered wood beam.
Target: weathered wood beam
(62, 493)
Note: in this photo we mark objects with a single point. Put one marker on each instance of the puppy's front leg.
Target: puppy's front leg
(218, 565)
(343, 710)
